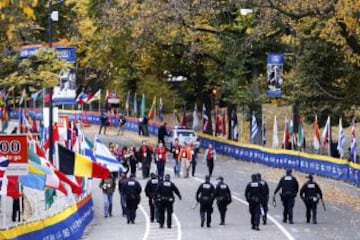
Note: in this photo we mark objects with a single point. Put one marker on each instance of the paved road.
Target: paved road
(338, 222)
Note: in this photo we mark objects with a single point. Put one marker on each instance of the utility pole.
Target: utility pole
(51, 142)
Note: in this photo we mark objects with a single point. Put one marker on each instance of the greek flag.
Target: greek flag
(353, 143)
(254, 128)
(341, 140)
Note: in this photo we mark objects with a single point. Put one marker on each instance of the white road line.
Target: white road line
(147, 220)
(179, 232)
(281, 227)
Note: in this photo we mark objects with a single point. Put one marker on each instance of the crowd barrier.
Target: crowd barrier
(278, 158)
(69, 224)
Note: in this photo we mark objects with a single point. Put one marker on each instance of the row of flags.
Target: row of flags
(291, 139)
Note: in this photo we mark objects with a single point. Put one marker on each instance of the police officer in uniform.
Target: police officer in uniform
(289, 187)
(150, 190)
(205, 196)
(132, 191)
(311, 193)
(265, 197)
(223, 198)
(165, 192)
(253, 195)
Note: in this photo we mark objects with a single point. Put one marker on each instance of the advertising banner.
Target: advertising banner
(275, 63)
(14, 147)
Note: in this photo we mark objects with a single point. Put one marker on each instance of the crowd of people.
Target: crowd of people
(161, 191)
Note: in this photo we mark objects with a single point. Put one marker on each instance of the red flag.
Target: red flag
(12, 187)
(184, 120)
(218, 124)
(224, 124)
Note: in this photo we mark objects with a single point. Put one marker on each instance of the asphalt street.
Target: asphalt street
(338, 222)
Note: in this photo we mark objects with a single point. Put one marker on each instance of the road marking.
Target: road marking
(281, 227)
(147, 220)
(179, 233)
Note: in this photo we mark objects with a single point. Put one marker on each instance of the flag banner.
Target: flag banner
(65, 92)
(195, 118)
(152, 109)
(234, 125)
(316, 141)
(275, 138)
(325, 137)
(275, 63)
(353, 143)
(341, 139)
(142, 107)
(4, 119)
(135, 105)
(72, 163)
(161, 110)
(205, 119)
(127, 103)
(92, 97)
(254, 128)
(103, 155)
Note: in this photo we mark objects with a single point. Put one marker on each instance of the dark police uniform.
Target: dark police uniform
(265, 197)
(205, 196)
(253, 195)
(223, 198)
(165, 193)
(150, 190)
(132, 191)
(289, 188)
(311, 193)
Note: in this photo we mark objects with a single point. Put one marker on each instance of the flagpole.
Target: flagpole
(330, 138)
(21, 202)
(100, 102)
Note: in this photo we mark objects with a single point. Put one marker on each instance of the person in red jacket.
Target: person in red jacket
(145, 153)
(160, 152)
(175, 151)
(185, 156)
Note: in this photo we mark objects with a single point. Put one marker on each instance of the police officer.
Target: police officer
(311, 193)
(205, 196)
(253, 195)
(165, 192)
(265, 197)
(150, 190)
(223, 198)
(132, 191)
(289, 187)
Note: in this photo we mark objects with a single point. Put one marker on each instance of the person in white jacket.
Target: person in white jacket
(210, 157)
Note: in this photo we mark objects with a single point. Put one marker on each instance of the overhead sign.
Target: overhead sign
(14, 147)
(66, 53)
(275, 63)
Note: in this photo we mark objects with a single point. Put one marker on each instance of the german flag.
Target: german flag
(72, 163)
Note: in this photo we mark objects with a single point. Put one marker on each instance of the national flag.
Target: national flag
(275, 137)
(286, 136)
(9, 91)
(161, 110)
(127, 103)
(142, 106)
(4, 163)
(205, 119)
(218, 123)
(224, 124)
(37, 94)
(263, 131)
(72, 163)
(22, 125)
(152, 109)
(234, 125)
(23, 96)
(176, 116)
(325, 136)
(82, 98)
(353, 143)
(56, 137)
(9, 186)
(49, 197)
(4, 119)
(341, 139)
(103, 156)
(135, 105)
(316, 141)
(195, 118)
(254, 128)
(301, 134)
(94, 96)
(293, 134)
(184, 119)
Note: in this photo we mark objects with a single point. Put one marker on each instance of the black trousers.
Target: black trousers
(16, 210)
(206, 210)
(222, 206)
(254, 209)
(165, 207)
(288, 203)
(311, 209)
(131, 207)
(152, 210)
(210, 165)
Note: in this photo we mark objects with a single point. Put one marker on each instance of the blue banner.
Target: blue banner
(275, 62)
(66, 53)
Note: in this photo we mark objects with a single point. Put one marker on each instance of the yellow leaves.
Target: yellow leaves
(10, 33)
(4, 3)
(29, 12)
